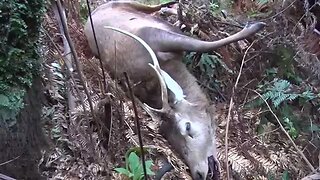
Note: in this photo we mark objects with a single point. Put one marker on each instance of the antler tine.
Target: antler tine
(164, 93)
(155, 66)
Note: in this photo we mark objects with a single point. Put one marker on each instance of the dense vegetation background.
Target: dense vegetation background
(20, 87)
(271, 78)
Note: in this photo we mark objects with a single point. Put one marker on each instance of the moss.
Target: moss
(19, 58)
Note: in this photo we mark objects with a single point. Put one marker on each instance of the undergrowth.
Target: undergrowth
(206, 68)
(292, 99)
(19, 58)
(133, 169)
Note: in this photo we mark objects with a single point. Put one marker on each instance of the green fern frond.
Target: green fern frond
(277, 92)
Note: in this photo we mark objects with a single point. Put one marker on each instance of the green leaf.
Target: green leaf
(138, 174)
(4, 100)
(262, 2)
(19, 55)
(285, 175)
(149, 163)
(281, 85)
(124, 172)
(133, 162)
(291, 129)
(308, 95)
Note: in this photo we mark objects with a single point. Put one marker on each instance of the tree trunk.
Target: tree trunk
(20, 144)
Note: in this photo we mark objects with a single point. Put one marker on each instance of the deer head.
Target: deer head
(187, 126)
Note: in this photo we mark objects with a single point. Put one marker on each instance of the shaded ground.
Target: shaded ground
(81, 147)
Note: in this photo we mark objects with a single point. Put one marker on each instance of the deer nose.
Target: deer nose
(199, 176)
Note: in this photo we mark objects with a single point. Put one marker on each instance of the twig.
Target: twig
(96, 42)
(109, 117)
(230, 24)
(180, 16)
(9, 161)
(266, 133)
(245, 98)
(74, 54)
(283, 10)
(5, 177)
(69, 73)
(230, 108)
(137, 126)
(214, 89)
(285, 132)
(104, 91)
(304, 15)
(78, 67)
(67, 58)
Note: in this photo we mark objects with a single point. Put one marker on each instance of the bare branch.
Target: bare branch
(230, 108)
(78, 68)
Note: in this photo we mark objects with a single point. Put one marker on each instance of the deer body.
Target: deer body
(188, 125)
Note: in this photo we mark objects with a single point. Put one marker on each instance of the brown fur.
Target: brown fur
(121, 53)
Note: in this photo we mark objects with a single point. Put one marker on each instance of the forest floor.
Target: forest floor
(281, 63)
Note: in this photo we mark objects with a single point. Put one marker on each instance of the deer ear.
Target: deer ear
(173, 86)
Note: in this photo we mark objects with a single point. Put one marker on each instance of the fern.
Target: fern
(262, 2)
(278, 92)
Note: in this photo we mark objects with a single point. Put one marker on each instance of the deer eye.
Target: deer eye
(188, 126)
(188, 129)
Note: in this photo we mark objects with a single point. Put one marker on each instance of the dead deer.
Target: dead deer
(187, 116)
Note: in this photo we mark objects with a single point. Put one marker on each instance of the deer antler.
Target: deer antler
(155, 66)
